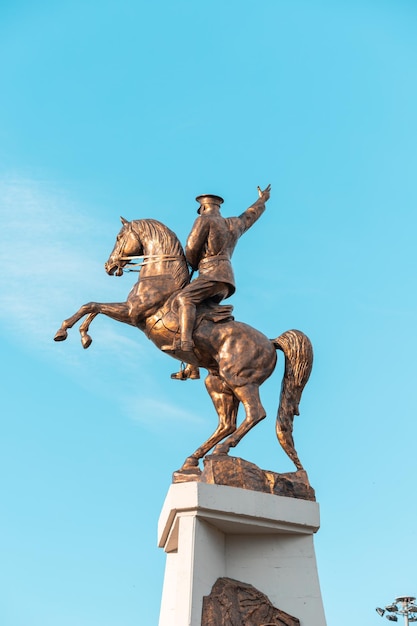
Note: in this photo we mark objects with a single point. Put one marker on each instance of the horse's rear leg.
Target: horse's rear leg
(226, 405)
(255, 412)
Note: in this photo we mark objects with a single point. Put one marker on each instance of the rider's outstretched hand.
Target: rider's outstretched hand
(265, 194)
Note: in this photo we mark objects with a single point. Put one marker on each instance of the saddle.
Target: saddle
(208, 310)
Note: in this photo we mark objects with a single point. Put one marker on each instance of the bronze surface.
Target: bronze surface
(235, 602)
(165, 304)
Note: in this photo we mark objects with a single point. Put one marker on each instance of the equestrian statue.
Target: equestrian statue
(184, 318)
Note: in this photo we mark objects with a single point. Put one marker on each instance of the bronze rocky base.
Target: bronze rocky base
(232, 471)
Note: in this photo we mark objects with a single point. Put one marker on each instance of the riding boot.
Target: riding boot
(187, 315)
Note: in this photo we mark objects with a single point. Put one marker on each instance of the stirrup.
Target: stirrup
(186, 371)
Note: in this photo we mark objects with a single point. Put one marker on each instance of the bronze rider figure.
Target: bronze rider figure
(209, 249)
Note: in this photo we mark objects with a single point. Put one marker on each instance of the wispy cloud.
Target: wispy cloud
(144, 410)
(50, 267)
(42, 254)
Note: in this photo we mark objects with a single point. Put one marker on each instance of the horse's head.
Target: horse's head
(127, 245)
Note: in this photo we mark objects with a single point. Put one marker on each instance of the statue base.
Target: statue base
(222, 469)
(256, 540)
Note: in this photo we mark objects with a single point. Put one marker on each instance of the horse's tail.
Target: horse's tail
(298, 353)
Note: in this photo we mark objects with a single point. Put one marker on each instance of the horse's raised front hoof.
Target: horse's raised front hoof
(86, 341)
(61, 335)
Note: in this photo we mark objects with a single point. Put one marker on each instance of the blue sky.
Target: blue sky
(132, 108)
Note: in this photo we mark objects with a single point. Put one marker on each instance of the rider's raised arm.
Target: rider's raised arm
(196, 240)
(254, 212)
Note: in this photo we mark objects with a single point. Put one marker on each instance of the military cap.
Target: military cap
(209, 198)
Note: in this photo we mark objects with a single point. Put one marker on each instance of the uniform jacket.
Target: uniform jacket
(212, 241)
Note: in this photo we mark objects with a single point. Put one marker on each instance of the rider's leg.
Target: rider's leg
(189, 298)
(187, 301)
(187, 316)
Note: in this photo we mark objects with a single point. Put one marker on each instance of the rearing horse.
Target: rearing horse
(238, 357)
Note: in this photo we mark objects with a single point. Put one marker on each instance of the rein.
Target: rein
(148, 259)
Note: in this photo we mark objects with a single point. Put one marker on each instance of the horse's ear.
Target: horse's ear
(124, 222)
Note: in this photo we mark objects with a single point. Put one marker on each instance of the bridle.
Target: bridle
(147, 259)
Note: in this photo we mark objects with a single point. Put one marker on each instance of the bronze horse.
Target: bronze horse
(238, 357)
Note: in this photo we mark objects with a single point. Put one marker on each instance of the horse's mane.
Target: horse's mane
(169, 244)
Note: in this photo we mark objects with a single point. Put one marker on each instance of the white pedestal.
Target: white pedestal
(210, 531)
